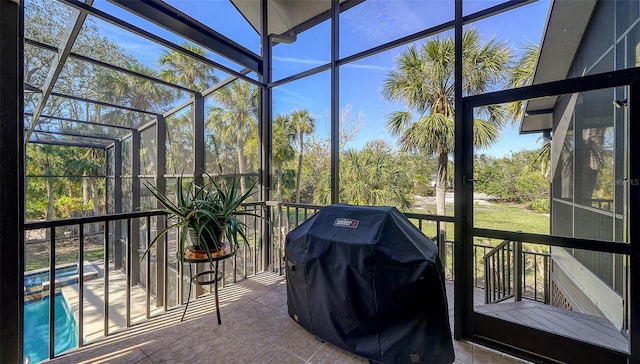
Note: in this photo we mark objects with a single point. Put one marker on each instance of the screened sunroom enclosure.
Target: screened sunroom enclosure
(152, 90)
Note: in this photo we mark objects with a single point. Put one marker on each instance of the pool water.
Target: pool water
(36, 328)
(37, 279)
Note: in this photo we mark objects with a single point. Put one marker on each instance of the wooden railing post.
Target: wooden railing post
(547, 280)
(442, 246)
(517, 269)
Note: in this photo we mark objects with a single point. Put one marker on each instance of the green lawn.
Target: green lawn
(510, 217)
(503, 217)
(42, 261)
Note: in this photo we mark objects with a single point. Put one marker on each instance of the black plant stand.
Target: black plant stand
(198, 279)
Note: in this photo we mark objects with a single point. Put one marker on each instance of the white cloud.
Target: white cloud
(300, 60)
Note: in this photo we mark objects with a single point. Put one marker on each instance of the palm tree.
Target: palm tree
(424, 80)
(374, 175)
(88, 165)
(236, 119)
(48, 161)
(304, 124)
(133, 91)
(521, 74)
(183, 70)
(283, 136)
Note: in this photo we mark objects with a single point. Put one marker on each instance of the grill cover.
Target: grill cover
(367, 280)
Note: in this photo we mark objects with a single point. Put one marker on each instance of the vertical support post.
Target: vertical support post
(463, 248)
(81, 286)
(147, 275)
(108, 194)
(266, 96)
(128, 250)
(442, 244)
(197, 111)
(117, 203)
(198, 156)
(52, 293)
(105, 306)
(634, 223)
(517, 269)
(11, 181)
(335, 102)
(133, 239)
(161, 185)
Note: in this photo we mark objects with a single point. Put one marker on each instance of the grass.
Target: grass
(496, 216)
(511, 218)
(40, 262)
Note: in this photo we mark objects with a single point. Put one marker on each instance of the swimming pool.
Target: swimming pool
(36, 328)
(37, 278)
(36, 282)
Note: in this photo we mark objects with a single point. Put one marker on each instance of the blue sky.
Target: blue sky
(369, 24)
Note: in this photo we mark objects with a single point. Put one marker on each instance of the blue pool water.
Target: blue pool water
(36, 279)
(36, 329)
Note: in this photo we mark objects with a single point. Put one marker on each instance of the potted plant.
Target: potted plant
(208, 216)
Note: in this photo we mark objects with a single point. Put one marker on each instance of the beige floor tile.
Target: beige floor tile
(300, 342)
(482, 355)
(243, 348)
(255, 328)
(249, 312)
(463, 351)
(275, 354)
(273, 299)
(185, 350)
(145, 361)
(274, 326)
(111, 355)
(329, 354)
(217, 335)
(157, 340)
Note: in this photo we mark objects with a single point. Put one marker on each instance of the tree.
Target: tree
(47, 160)
(375, 176)
(521, 74)
(89, 165)
(424, 80)
(283, 136)
(181, 69)
(132, 91)
(235, 119)
(304, 124)
(516, 178)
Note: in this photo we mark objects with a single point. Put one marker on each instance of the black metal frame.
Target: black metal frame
(12, 169)
(164, 15)
(12, 185)
(152, 37)
(521, 339)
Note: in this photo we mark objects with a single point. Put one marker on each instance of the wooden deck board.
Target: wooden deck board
(595, 330)
(576, 325)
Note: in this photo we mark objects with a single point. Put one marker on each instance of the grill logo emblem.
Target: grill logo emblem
(344, 222)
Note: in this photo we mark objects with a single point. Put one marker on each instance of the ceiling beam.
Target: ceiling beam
(71, 134)
(172, 19)
(154, 38)
(62, 118)
(74, 25)
(102, 103)
(69, 144)
(108, 65)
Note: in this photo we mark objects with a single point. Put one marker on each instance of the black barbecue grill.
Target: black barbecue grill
(367, 280)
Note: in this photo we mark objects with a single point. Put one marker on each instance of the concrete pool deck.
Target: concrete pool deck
(93, 303)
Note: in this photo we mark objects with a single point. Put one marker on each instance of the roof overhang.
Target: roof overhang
(289, 15)
(564, 29)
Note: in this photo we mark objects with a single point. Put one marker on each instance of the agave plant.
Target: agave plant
(208, 215)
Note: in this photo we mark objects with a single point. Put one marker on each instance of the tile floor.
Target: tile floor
(255, 329)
